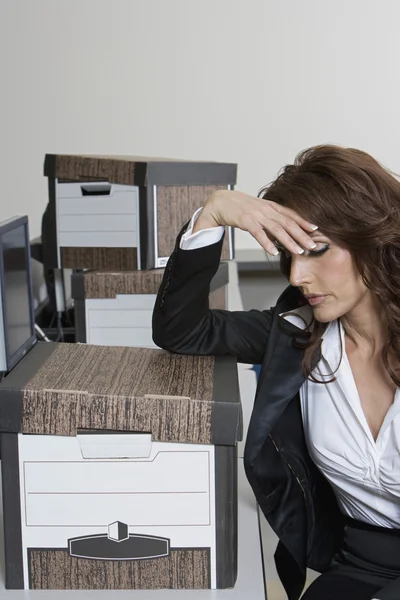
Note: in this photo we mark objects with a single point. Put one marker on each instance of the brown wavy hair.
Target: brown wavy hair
(355, 201)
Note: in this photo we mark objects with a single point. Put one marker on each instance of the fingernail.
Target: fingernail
(300, 250)
(312, 244)
(275, 252)
(314, 227)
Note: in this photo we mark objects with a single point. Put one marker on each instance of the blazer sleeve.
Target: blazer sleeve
(391, 591)
(183, 322)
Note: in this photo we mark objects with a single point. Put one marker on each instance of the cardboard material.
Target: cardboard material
(79, 387)
(119, 469)
(106, 284)
(124, 213)
(138, 170)
(114, 308)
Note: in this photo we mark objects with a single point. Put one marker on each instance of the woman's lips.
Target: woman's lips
(314, 300)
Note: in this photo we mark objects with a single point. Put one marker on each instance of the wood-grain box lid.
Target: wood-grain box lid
(138, 170)
(108, 284)
(62, 389)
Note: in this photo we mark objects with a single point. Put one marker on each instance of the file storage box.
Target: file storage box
(124, 213)
(115, 309)
(119, 469)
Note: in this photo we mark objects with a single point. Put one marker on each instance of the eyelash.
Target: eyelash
(312, 253)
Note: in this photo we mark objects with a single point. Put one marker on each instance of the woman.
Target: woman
(323, 446)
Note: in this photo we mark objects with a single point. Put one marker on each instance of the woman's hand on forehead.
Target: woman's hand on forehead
(268, 222)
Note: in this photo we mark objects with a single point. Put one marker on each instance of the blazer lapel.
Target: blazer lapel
(280, 379)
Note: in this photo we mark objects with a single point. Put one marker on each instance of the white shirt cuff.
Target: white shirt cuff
(205, 237)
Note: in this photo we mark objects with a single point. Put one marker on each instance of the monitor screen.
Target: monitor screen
(16, 290)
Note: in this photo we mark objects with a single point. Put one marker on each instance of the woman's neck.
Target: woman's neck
(365, 327)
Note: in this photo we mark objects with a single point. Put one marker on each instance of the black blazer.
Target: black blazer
(293, 495)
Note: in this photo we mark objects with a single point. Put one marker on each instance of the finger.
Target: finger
(275, 231)
(297, 233)
(258, 233)
(291, 227)
(292, 214)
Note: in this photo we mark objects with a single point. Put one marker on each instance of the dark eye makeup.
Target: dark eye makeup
(313, 253)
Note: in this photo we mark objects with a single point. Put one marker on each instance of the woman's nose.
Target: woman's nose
(300, 272)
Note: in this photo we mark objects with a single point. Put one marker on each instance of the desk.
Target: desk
(256, 260)
(250, 581)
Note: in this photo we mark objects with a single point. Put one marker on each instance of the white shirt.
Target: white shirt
(364, 474)
(205, 237)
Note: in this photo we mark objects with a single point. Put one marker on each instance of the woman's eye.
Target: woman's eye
(318, 251)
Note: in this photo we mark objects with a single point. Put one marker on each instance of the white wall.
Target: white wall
(251, 81)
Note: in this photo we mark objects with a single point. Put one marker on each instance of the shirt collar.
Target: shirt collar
(300, 317)
(332, 346)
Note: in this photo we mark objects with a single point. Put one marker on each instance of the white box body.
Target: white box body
(102, 225)
(121, 321)
(110, 220)
(170, 493)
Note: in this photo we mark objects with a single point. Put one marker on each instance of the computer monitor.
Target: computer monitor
(17, 325)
